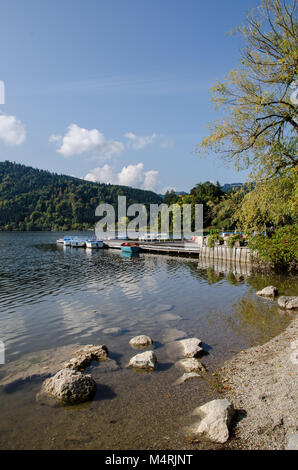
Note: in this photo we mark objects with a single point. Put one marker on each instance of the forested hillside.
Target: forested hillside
(32, 199)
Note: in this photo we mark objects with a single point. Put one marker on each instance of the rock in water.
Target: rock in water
(112, 331)
(70, 386)
(84, 356)
(141, 341)
(269, 291)
(187, 376)
(217, 415)
(98, 353)
(146, 360)
(191, 347)
(288, 302)
(192, 365)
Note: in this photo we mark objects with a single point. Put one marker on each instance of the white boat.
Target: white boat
(60, 240)
(78, 243)
(67, 241)
(94, 244)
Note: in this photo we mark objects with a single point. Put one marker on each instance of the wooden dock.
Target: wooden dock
(239, 255)
(173, 248)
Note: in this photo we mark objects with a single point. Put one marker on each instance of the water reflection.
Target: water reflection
(51, 295)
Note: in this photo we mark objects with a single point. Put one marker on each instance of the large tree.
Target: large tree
(260, 127)
(259, 100)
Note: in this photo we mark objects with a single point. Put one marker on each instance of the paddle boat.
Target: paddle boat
(130, 247)
(67, 241)
(78, 243)
(94, 243)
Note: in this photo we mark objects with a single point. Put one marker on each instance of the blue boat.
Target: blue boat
(130, 247)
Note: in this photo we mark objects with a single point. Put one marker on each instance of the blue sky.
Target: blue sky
(116, 90)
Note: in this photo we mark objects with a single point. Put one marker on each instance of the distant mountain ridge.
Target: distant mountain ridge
(32, 199)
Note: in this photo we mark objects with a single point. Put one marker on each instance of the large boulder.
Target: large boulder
(216, 417)
(146, 360)
(191, 347)
(288, 302)
(269, 291)
(141, 341)
(191, 365)
(85, 355)
(69, 387)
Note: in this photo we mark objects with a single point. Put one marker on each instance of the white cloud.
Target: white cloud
(78, 140)
(138, 141)
(12, 131)
(151, 179)
(130, 175)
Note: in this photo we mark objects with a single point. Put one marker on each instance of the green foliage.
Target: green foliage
(280, 251)
(170, 197)
(213, 239)
(208, 194)
(260, 127)
(233, 239)
(32, 199)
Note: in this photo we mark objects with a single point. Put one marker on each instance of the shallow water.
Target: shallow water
(52, 297)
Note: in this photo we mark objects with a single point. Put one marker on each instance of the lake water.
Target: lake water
(53, 297)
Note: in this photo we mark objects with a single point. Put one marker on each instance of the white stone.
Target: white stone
(269, 291)
(217, 415)
(141, 341)
(145, 360)
(69, 386)
(191, 365)
(191, 347)
(288, 302)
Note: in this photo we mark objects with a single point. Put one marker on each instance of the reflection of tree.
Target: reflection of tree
(256, 318)
(213, 276)
(287, 285)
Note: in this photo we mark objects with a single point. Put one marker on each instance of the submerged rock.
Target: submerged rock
(84, 356)
(173, 334)
(269, 291)
(191, 347)
(112, 331)
(169, 317)
(288, 302)
(217, 415)
(141, 341)
(69, 386)
(146, 360)
(192, 365)
(187, 376)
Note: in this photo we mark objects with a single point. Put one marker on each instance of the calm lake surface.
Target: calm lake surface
(52, 297)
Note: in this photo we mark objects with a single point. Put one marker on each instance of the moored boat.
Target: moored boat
(130, 247)
(94, 243)
(67, 241)
(78, 243)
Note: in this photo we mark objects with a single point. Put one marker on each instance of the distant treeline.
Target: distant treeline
(32, 199)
